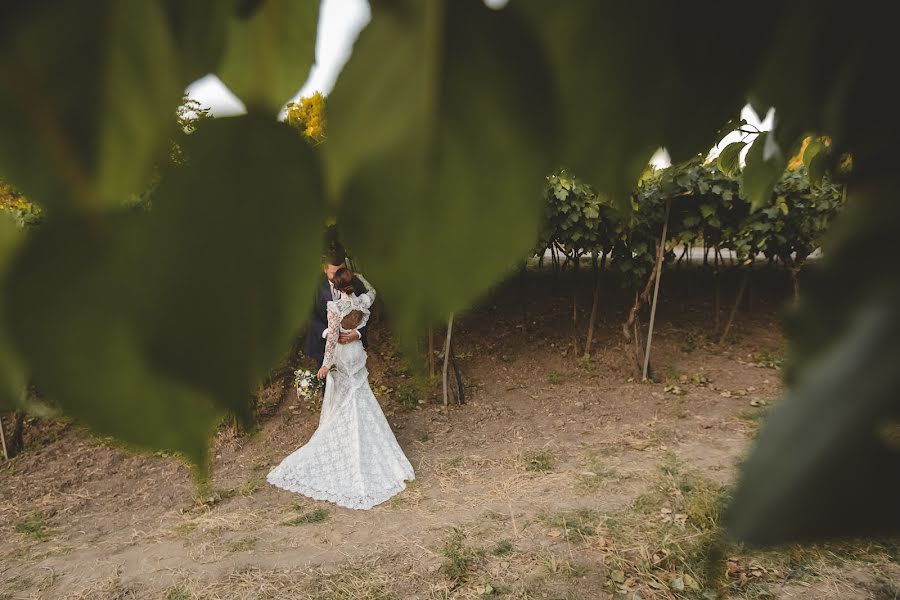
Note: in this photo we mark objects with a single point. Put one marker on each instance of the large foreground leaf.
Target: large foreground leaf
(149, 326)
(270, 51)
(71, 300)
(442, 129)
(636, 76)
(12, 377)
(237, 246)
(827, 462)
(87, 92)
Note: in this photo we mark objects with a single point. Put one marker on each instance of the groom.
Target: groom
(318, 323)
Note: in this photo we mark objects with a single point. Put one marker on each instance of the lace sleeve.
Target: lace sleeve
(370, 291)
(333, 331)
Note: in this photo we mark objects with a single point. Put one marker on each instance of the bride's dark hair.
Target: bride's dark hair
(343, 280)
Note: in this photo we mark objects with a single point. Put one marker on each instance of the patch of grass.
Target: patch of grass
(576, 525)
(34, 527)
(425, 437)
(177, 594)
(185, 529)
(595, 475)
(670, 372)
(502, 548)
(319, 515)
(767, 359)
(554, 378)
(209, 498)
(462, 559)
(411, 393)
(242, 544)
(350, 583)
(540, 461)
(671, 536)
(404, 497)
(249, 487)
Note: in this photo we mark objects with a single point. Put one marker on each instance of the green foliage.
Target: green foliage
(270, 51)
(172, 327)
(447, 73)
(576, 220)
(86, 94)
(318, 515)
(12, 375)
(625, 98)
(765, 164)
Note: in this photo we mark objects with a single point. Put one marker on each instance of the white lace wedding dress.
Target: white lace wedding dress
(353, 458)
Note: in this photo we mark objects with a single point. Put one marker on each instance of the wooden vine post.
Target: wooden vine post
(660, 255)
(447, 356)
(3, 441)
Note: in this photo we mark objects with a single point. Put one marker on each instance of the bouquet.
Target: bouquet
(308, 385)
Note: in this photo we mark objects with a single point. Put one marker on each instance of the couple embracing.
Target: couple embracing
(353, 458)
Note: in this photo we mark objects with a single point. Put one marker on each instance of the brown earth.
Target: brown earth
(560, 478)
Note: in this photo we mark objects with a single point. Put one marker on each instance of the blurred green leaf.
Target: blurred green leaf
(12, 376)
(87, 92)
(199, 29)
(765, 163)
(237, 239)
(729, 158)
(442, 193)
(146, 326)
(820, 468)
(269, 53)
(819, 165)
(813, 148)
(635, 78)
(70, 302)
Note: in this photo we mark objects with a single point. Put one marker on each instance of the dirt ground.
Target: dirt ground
(560, 478)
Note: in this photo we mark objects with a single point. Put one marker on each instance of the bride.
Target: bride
(353, 458)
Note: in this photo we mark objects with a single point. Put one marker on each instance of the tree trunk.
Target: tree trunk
(737, 302)
(431, 365)
(660, 257)
(16, 441)
(523, 296)
(718, 292)
(575, 343)
(447, 355)
(593, 319)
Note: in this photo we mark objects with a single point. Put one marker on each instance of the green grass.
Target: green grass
(462, 559)
(242, 544)
(34, 527)
(185, 529)
(540, 461)
(554, 378)
(177, 594)
(576, 525)
(249, 487)
(502, 548)
(319, 515)
(596, 474)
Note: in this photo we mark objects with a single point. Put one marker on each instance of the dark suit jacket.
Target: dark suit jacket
(318, 322)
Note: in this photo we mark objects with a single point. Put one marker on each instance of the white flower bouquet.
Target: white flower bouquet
(308, 385)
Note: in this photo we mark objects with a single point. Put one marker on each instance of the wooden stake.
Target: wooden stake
(447, 355)
(737, 302)
(660, 255)
(3, 441)
(431, 351)
(593, 319)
